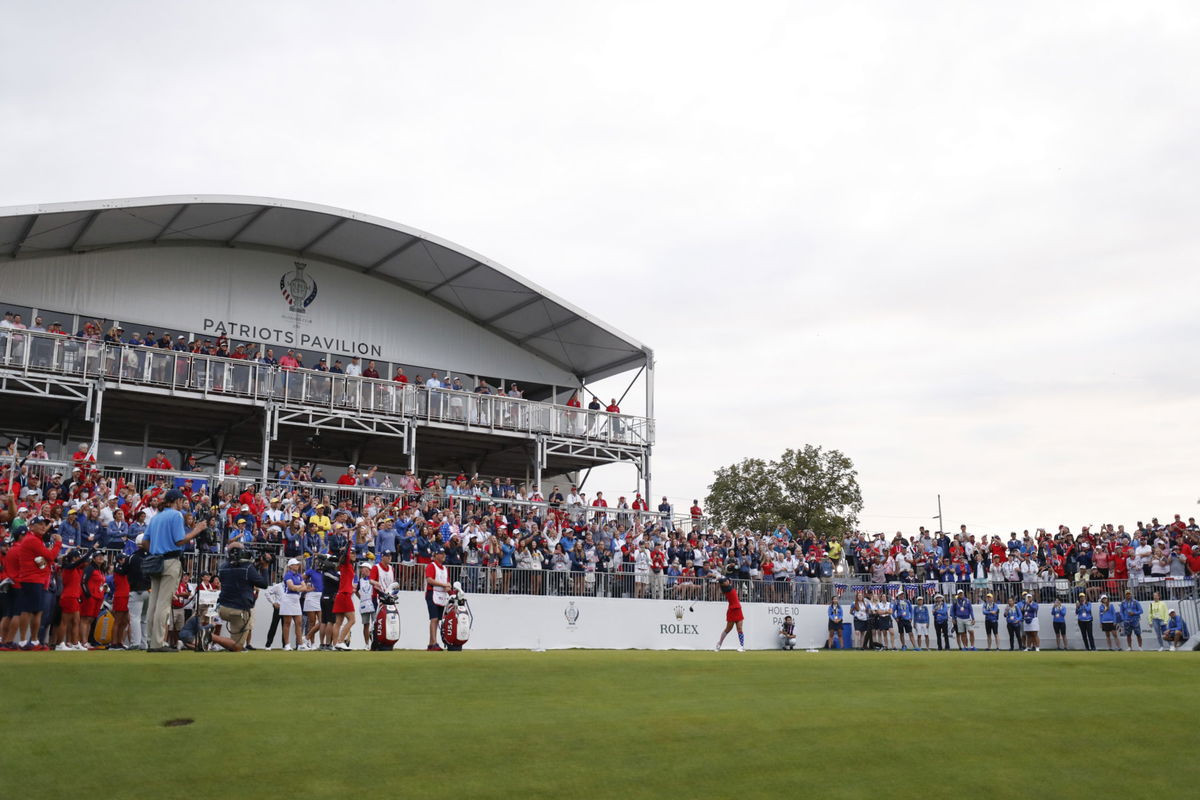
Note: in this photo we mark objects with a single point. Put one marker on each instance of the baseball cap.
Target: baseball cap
(293, 562)
(141, 537)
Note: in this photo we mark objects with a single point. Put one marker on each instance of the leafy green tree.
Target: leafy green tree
(807, 489)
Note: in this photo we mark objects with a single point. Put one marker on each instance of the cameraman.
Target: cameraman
(240, 575)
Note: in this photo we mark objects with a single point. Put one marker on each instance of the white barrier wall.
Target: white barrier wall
(522, 622)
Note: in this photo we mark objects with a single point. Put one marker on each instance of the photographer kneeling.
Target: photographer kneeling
(240, 575)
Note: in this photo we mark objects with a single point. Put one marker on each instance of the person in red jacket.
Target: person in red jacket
(120, 603)
(93, 594)
(8, 600)
(344, 602)
(733, 613)
(33, 572)
(160, 461)
(70, 599)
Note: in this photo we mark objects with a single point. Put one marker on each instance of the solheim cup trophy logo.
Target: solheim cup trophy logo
(571, 613)
(298, 289)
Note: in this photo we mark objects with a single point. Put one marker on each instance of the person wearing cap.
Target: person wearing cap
(294, 585)
(1131, 614)
(1177, 630)
(920, 615)
(38, 452)
(964, 620)
(1110, 616)
(167, 538)
(941, 621)
(33, 563)
(159, 461)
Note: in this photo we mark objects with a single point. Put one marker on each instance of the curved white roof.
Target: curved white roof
(489, 294)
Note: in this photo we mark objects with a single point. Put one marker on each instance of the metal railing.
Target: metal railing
(139, 365)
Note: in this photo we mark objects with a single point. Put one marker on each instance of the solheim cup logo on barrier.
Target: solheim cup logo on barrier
(571, 613)
(298, 289)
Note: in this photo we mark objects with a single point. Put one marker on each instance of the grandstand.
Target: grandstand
(216, 325)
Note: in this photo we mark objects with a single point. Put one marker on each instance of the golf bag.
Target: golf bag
(385, 633)
(457, 620)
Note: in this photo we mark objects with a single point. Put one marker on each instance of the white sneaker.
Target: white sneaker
(63, 647)
(80, 646)
(343, 646)
(741, 649)
(1161, 649)
(717, 648)
(1172, 648)
(268, 647)
(286, 647)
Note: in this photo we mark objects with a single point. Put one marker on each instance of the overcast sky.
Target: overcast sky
(957, 241)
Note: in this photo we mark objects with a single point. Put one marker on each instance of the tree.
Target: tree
(808, 489)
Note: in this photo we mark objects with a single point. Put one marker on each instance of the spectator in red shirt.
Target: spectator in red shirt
(350, 478)
(33, 576)
(160, 461)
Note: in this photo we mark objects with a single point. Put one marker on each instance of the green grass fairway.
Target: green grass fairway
(588, 724)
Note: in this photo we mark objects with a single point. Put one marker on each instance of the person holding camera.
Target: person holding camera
(240, 575)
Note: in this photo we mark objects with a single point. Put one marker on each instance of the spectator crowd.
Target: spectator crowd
(499, 536)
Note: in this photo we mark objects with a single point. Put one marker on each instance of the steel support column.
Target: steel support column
(97, 408)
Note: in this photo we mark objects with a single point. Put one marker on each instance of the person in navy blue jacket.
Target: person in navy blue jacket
(1083, 616)
(941, 622)
(1012, 618)
(991, 621)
